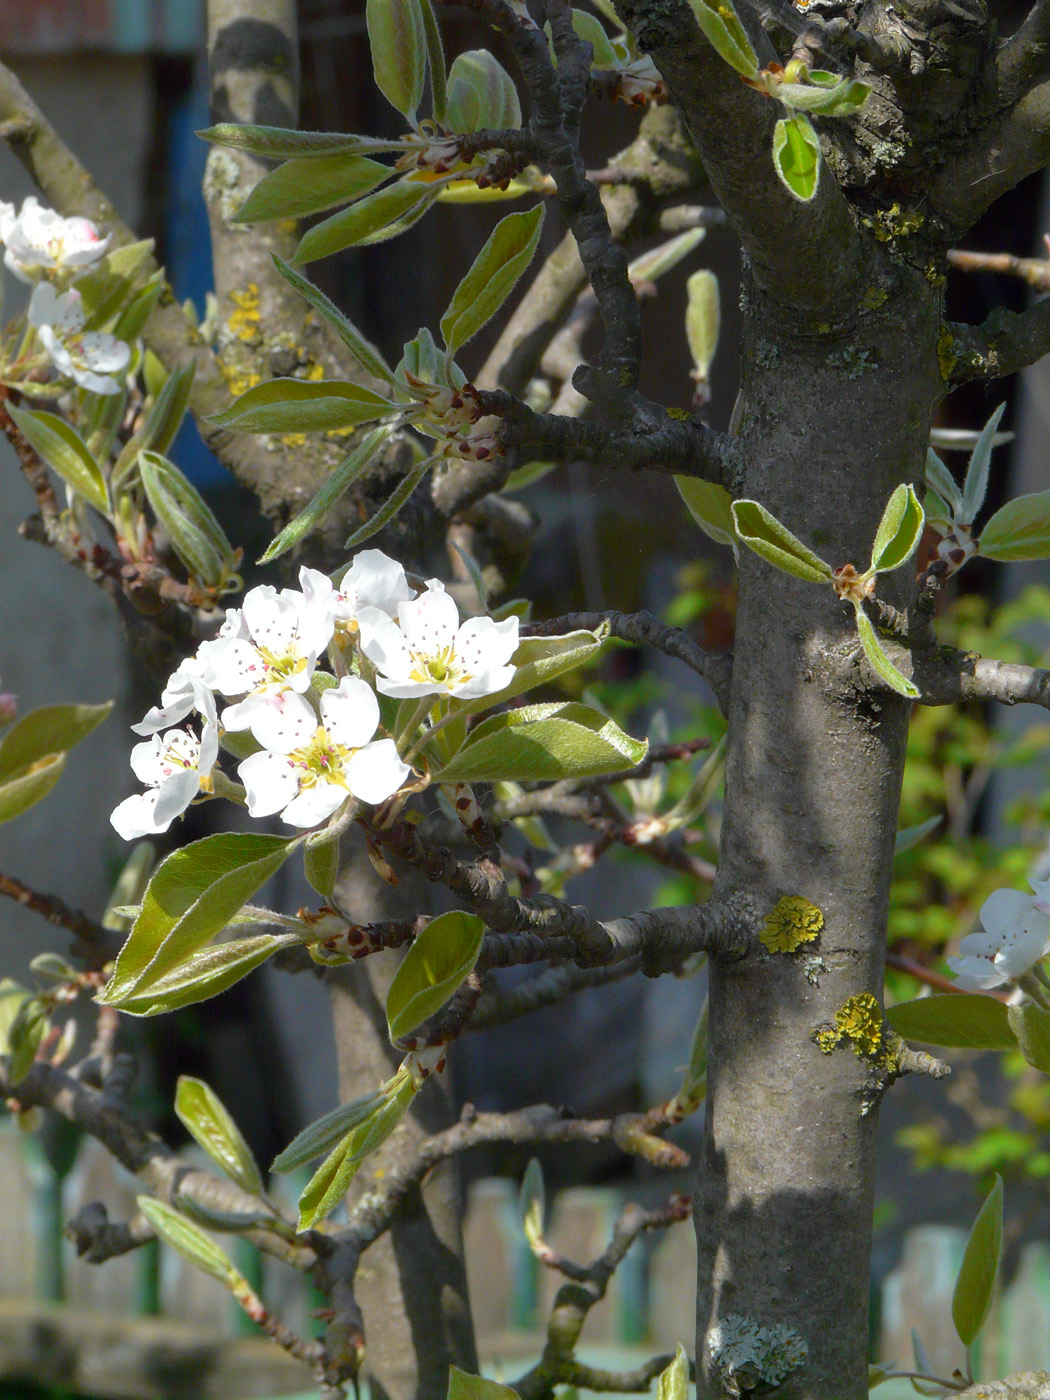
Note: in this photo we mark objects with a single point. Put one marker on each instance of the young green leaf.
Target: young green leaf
(544, 743)
(398, 38)
(192, 1242)
(592, 31)
(976, 486)
(60, 446)
(1019, 530)
(337, 485)
(910, 836)
(674, 1382)
(193, 894)
(363, 351)
(463, 1386)
(961, 1020)
(307, 186)
(938, 512)
(25, 1036)
(711, 506)
(392, 505)
(45, 732)
(723, 31)
(30, 785)
(302, 406)
(843, 97)
(940, 478)
(168, 410)
(135, 313)
(110, 284)
(527, 475)
(377, 217)
(1031, 1025)
(532, 1203)
(202, 975)
(979, 1271)
(481, 93)
(879, 662)
(796, 156)
(539, 660)
(650, 266)
(284, 143)
(764, 534)
(507, 253)
(702, 324)
(196, 536)
(899, 532)
(323, 1134)
(203, 1114)
(432, 970)
(321, 862)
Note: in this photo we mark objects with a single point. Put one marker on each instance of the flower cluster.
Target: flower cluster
(41, 247)
(317, 739)
(1014, 937)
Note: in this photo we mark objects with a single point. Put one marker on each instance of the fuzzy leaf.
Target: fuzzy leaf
(363, 351)
(321, 863)
(398, 38)
(910, 836)
(711, 506)
(532, 1203)
(30, 785)
(702, 323)
(1019, 530)
(321, 1136)
(592, 31)
(544, 743)
(204, 1116)
(960, 1020)
(491, 278)
(43, 733)
(202, 975)
(796, 156)
(674, 1382)
(392, 505)
(724, 32)
(306, 186)
(191, 1241)
(938, 512)
(844, 97)
(284, 143)
(650, 266)
(435, 63)
(168, 410)
(976, 486)
(879, 662)
(377, 217)
(940, 478)
(463, 1386)
(975, 1286)
(337, 485)
(1031, 1025)
(302, 406)
(61, 447)
(899, 532)
(432, 970)
(764, 534)
(481, 93)
(196, 536)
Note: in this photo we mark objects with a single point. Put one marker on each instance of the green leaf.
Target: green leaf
(940, 478)
(910, 836)
(592, 31)
(463, 1386)
(507, 253)
(321, 862)
(435, 63)
(337, 485)
(25, 1036)
(843, 97)
(168, 410)
(398, 38)
(192, 1242)
(373, 219)
(764, 534)
(674, 1382)
(979, 1270)
(422, 358)
(938, 512)
(432, 970)
(204, 1116)
(899, 532)
(1019, 530)
(539, 660)
(544, 743)
(202, 975)
(796, 157)
(283, 143)
(722, 29)
(322, 1135)
(1031, 1025)
(392, 505)
(196, 536)
(694, 1081)
(60, 446)
(527, 475)
(302, 406)
(110, 284)
(532, 1203)
(481, 93)
(135, 313)
(193, 894)
(45, 732)
(12, 997)
(306, 186)
(702, 323)
(879, 662)
(363, 351)
(651, 266)
(976, 486)
(29, 786)
(711, 506)
(956, 1019)
(329, 1183)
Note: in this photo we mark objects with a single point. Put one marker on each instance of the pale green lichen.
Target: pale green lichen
(947, 353)
(749, 1357)
(858, 1021)
(792, 921)
(813, 966)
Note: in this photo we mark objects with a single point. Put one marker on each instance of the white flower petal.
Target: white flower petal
(134, 817)
(280, 720)
(485, 645)
(1004, 911)
(350, 712)
(231, 665)
(484, 683)
(383, 642)
(374, 580)
(270, 781)
(375, 772)
(314, 804)
(175, 794)
(431, 621)
(43, 305)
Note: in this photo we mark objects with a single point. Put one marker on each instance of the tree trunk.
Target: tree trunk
(834, 420)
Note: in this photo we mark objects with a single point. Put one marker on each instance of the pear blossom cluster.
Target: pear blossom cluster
(1013, 939)
(49, 252)
(317, 740)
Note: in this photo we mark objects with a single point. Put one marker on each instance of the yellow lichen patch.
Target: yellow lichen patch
(244, 322)
(947, 353)
(874, 297)
(312, 371)
(240, 380)
(793, 920)
(858, 1020)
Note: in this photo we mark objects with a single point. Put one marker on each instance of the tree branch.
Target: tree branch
(97, 945)
(1003, 343)
(549, 988)
(1024, 58)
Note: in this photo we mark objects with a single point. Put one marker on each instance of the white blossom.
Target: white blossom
(373, 580)
(308, 769)
(1014, 937)
(184, 692)
(39, 240)
(174, 766)
(270, 647)
(428, 652)
(91, 358)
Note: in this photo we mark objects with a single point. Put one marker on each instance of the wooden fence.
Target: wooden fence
(148, 1326)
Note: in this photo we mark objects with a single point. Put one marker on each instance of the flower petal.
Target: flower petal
(280, 720)
(375, 772)
(270, 781)
(314, 804)
(350, 712)
(431, 621)
(135, 816)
